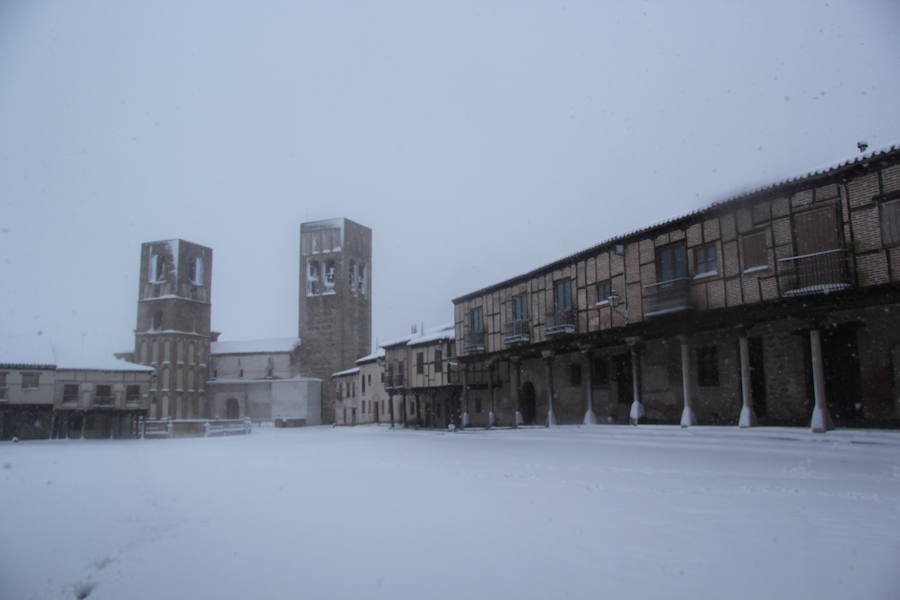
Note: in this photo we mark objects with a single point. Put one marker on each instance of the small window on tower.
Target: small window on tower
(157, 321)
(312, 278)
(362, 279)
(329, 274)
(156, 269)
(196, 271)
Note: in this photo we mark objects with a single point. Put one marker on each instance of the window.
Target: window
(156, 325)
(562, 295)
(30, 380)
(438, 361)
(753, 247)
(103, 394)
(156, 269)
(70, 392)
(382, 377)
(312, 278)
(476, 320)
(599, 371)
(671, 263)
(420, 363)
(412, 408)
(520, 307)
(370, 379)
(329, 274)
(361, 284)
(705, 260)
(195, 271)
(604, 291)
(890, 223)
(362, 384)
(2, 386)
(477, 404)
(133, 393)
(575, 375)
(707, 366)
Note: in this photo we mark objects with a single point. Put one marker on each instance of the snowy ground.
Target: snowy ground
(615, 512)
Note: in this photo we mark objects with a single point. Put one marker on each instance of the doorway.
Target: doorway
(527, 403)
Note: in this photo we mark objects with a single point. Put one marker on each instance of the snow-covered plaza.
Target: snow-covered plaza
(369, 512)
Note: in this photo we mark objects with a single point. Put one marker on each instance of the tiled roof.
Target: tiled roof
(892, 151)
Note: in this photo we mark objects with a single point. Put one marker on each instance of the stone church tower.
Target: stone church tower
(173, 325)
(335, 300)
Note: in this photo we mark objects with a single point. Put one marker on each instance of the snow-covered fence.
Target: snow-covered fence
(227, 427)
(168, 428)
(156, 428)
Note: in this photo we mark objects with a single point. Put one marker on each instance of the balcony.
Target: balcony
(104, 400)
(667, 297)
(816, 273)
(560, 322)
(517, 332)
(393, 381)
(473, 341)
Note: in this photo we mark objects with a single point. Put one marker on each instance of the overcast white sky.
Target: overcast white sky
(478, 140)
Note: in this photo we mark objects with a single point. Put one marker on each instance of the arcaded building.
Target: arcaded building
(780, 307)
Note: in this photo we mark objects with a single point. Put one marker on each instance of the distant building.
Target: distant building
(96, 399)
(258, 379)
(410, 381)
(280, 380)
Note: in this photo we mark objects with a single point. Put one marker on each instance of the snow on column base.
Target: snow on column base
(551, 418)
(637, 411)
(465, 419)
(687, 417)
(748, 419)
(590, 418)
(492, 419)
(519, 419)
(821, 420)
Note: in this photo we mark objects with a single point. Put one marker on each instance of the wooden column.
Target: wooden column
(748, 418)
(821, 418)
(590, 418)
(515, 377)
(687, 413)
(551, 416)
(637, 407)
(492, 416)
(464, 421)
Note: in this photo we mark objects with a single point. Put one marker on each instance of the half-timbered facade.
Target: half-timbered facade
(781, 306)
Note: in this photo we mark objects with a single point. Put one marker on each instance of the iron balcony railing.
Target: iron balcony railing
(104, 400)
(516, 332)
(393, 380)
(667, 296)
(474, 341)
(816, 273)
(560, 322)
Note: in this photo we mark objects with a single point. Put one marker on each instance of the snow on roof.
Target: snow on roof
(100, 364)
(34, 351)
(440, 332)
(396, 341)
(821, 172)
(263, 346)
(370, 357)
(40, 351)
(352, 371)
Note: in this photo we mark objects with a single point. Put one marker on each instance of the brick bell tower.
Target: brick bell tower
(173, 325)
(335, 306)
